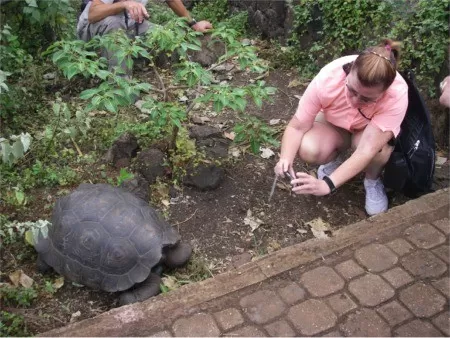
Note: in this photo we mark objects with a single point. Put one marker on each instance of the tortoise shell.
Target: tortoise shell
(105, 238)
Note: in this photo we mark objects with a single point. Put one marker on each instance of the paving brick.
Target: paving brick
(394, 313)
(162, 334)
(365, 323)
(229, 318)
(443, 225)
(443, 252)
(349, 269)
(280, 329)
(322, 281)
(417, 328)
(442, 322)
(397, 277)
(292, 293)
(247, 331)
(424, 264)
(198, 325)
(400, 246)
(333, 334)
(424, 236)
(341, 303)
(443, 285)
(371, 290)
(262, 306)
(376, 257)
(312, 317)
(422, 300)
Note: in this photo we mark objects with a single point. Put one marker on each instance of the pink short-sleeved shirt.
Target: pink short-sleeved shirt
(328, 93)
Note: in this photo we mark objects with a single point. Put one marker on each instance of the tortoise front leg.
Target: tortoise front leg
(142, 291)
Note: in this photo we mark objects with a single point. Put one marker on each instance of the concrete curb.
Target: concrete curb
(141, 318)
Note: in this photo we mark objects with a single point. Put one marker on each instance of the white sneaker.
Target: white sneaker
(328, 168)
(376, 199)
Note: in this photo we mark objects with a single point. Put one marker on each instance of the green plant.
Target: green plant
(217, 12)
(14, 148)
(255, 132)
(17, 296)
(123, 176)
(425, 35)
(12, 325)
(328, 29)
(10, 232)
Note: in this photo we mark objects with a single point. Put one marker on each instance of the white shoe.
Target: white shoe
(328, 168)
(376, 199)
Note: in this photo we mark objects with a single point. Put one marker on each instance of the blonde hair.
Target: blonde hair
(377, 66)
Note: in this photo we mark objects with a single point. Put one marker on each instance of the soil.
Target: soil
(213, 221)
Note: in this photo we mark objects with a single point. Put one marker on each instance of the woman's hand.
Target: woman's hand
(283, 166)
(306, 184)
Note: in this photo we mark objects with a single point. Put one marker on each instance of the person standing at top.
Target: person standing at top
(100, 17)
(356, 101)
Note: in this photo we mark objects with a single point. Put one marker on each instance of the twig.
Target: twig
(187, 219)
(262, 76)
(161, 82)
(80, 153)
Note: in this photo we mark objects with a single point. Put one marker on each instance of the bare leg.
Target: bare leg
(323, 142)
(375, 167)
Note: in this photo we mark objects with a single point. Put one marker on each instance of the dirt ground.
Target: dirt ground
(215, 221)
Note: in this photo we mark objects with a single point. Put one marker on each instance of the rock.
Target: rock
(203, 132)
(49, 76)
(215, 148)
(210, 53)
(138, 186)
(122, 151)
(241, 259)
(204, 177)
(150, 164)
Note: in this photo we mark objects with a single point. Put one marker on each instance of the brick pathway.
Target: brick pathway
(387, 276)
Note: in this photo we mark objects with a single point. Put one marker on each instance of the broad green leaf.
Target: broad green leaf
(17, 149)
(110, 106)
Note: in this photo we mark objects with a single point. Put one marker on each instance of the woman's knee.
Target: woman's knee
(313, 152)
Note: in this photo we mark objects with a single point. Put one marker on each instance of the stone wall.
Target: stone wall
(272, 19)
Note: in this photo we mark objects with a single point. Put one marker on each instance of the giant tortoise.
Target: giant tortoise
(106, 238)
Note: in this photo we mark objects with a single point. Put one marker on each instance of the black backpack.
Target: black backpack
(83, 5)
(410, 168)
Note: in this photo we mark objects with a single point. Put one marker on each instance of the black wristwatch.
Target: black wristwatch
(330, 184)
(192, 22)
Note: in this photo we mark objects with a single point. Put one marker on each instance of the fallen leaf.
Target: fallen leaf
(294, 83)
(229, 136)
(318, 227)
(170, 282)
(266, 152)
(200, 119)
(273, 246)
(440, 160)
(298, 96)
(235, 152)
(58, 283)
(302, 231)
(166, 203)
(274, 122)
(252, 221)
(183, 99)
(74, 316)
(19, 277)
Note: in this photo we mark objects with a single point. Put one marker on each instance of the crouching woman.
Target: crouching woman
(356, 101)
